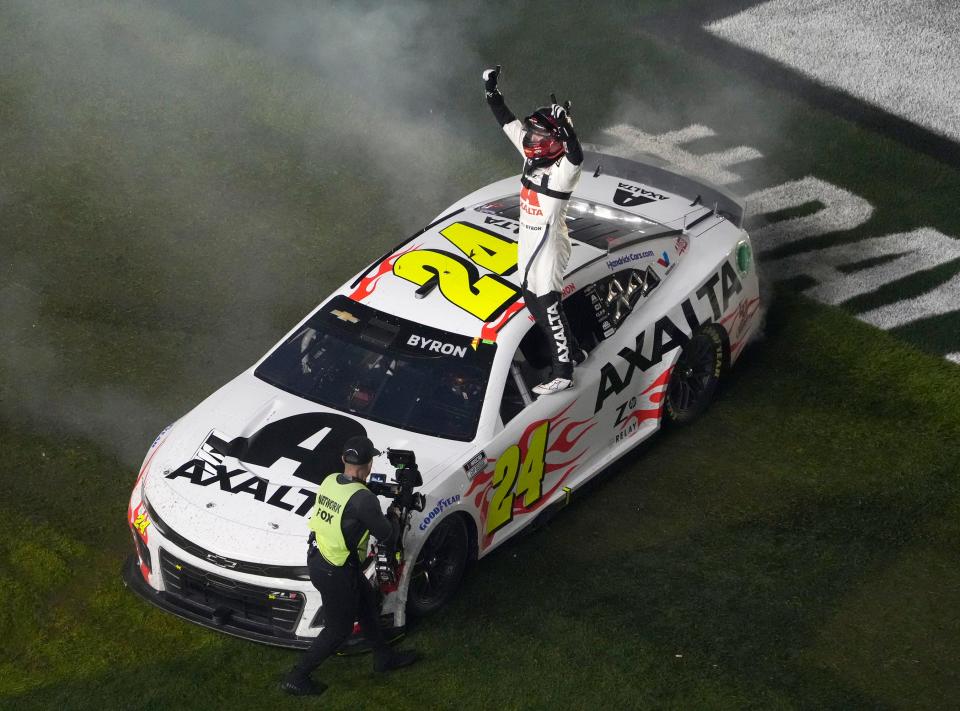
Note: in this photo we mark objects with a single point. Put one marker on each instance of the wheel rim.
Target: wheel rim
(438, 566)
(693, 374)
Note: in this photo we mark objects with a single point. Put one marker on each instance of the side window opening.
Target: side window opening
(518, 391)
(597, 311)
(625, 289)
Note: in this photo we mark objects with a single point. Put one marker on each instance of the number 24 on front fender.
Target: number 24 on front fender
(513, 478)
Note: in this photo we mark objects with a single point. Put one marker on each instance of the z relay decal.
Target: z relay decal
(646, 406)
(306, 446)
(629, 195)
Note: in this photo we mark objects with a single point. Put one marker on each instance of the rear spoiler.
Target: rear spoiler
(696, 190)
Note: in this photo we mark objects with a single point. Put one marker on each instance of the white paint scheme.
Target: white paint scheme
(237, 526)
(900, 55)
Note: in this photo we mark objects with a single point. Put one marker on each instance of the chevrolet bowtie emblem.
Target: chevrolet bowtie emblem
(221, 561)
(345, 316)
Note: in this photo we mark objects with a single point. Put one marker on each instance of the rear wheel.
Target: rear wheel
(439, 567)
(695, 377)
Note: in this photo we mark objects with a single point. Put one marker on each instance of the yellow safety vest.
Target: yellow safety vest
(326, 517)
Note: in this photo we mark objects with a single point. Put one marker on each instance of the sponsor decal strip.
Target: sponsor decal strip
(628, 258)
(437, 510)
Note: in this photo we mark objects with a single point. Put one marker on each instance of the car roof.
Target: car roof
(606, 214)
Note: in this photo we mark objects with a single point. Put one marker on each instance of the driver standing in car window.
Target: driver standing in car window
(551, 171)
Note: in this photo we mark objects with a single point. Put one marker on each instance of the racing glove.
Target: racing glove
(562, 115)
(495, 98)
(490, 77)
(567, 135)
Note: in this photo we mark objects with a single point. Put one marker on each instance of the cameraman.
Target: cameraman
(344, 516)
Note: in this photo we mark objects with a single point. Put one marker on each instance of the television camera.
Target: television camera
(405, 499)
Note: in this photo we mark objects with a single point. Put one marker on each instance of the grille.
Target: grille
(231, 601)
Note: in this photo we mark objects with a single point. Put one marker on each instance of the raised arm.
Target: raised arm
(570, 141)
(495, 98)
(508, 122)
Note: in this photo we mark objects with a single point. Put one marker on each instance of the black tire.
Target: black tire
(695, 377)
(439, 567)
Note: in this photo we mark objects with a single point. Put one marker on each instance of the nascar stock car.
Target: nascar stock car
(430, 349)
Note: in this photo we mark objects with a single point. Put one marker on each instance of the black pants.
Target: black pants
(346, 596)
(548, 312)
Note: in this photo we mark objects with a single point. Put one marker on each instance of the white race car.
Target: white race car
(430, 349)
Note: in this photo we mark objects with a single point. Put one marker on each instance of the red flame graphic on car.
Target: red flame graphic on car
(139, 525)
(490, 330)
(368, 284)
(654, 404)
(737, 321)
(563, 462)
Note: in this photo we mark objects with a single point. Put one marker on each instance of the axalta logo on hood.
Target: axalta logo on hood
(306, 447)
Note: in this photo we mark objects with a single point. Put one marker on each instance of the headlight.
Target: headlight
(744, 256)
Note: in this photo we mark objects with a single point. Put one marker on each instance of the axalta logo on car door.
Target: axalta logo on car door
(665, 335)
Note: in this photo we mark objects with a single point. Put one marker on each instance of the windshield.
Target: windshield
(380, 367)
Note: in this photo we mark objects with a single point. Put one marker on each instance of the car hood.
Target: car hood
(237, 475)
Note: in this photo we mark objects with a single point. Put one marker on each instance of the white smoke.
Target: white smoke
(192, 177)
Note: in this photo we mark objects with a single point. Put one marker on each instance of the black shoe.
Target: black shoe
(302, 687)
(395, 660)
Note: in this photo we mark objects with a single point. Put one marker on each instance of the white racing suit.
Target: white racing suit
(544, 245)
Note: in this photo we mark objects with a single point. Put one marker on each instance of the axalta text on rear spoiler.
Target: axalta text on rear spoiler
(708, 195)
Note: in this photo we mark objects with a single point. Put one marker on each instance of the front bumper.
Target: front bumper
(220, 617)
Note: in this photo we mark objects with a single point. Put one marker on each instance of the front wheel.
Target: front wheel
(695, 377)
(439, 567)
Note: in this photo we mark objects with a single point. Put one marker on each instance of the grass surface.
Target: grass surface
(176, 190)
(767, 557)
